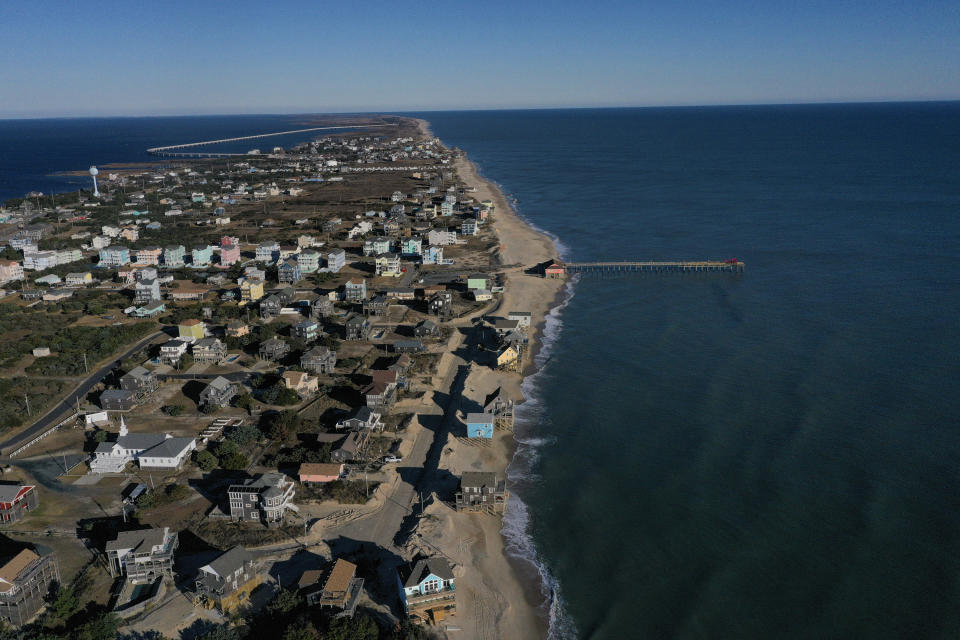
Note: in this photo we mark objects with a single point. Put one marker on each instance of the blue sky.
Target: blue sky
(63, 58)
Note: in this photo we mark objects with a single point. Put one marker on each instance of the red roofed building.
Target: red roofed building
(554, 270)
(16, 500)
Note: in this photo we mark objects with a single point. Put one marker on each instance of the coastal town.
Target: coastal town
(268, 393)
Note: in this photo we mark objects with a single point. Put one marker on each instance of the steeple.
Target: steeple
(123, 427)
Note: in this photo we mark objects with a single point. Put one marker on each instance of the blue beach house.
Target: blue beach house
(427, 590)
(479, 425)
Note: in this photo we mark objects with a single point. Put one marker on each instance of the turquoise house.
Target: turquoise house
(202, 256)
(479, 425)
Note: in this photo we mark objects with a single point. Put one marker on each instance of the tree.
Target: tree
(246, 401)
(99, 436)
(245, 434)
(102, 627)
(205, 460)
(282, 604)
(301, 630)
(234, 461)
(360, 627)
(172, 410)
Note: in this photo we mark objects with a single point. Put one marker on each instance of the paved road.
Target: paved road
(70, 402)
(236, 376)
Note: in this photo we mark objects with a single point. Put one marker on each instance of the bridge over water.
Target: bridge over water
(170, 150)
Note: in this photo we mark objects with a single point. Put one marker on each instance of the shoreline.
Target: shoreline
(515, 584)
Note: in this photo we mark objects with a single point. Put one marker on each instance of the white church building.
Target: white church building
(150, 450)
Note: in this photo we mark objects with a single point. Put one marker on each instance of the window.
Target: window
(431, 586)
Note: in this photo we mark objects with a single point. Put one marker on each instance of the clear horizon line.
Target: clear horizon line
(406, 110)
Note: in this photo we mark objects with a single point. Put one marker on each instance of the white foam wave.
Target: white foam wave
(531, 437)
(516, 528)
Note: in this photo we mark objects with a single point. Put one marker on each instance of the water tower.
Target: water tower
(93, 173)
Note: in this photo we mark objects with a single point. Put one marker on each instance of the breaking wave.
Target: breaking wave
(531, 433)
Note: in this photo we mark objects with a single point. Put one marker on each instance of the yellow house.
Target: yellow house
(251, 290)
(507, 357)
(191, 329)
(226, 583)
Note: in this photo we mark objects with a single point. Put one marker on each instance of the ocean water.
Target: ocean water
(766, 455)
(33, 152)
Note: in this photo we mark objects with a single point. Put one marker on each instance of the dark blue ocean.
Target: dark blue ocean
(768, 455)
(772, 455)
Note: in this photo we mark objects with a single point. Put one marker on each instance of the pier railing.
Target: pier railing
(730, 266)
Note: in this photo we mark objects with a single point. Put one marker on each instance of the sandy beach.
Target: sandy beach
(498, 596)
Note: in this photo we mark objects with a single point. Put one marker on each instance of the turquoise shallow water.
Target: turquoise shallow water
(756, 456)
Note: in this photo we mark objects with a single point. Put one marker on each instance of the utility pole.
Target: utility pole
(85, 368)
(26, 399)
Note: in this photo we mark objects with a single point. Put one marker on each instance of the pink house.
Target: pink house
(225, 240)
(229, 254)
(320, 472)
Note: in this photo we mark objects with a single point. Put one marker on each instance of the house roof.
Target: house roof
(14, 566)
(228, 562)
(10, 492)
(190, 323)
(220, 383)
(317, 352)
(414, 575)
(169, 448)
(478, 479)
(295, 377)
(116, 394)
(341, 575)
(140, 441)
(142, 538)
(479, 418)
(320, 469)
(310, 578)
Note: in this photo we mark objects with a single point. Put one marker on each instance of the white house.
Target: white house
(151, 450)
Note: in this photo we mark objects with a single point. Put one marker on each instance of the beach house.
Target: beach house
(411, 247)
(226, 583)
(482, 491)
(149, 255)
(355, 290)
(427, 589)
(218, 393)
(289, 271)
(173, 255)
(479, 425)
(251, 290)
(142, 556)
(433, 255)
(336, 260)
(229, 254)
(114, 256)
(265, 498)
(202, 255)
(191, 329)
(319, 359)
(16, 501)
(26, 579)
(388, 265)
(308, 261)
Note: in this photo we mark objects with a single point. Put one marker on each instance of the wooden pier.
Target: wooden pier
(558, 269)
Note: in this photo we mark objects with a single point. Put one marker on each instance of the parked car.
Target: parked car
(392, 459)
